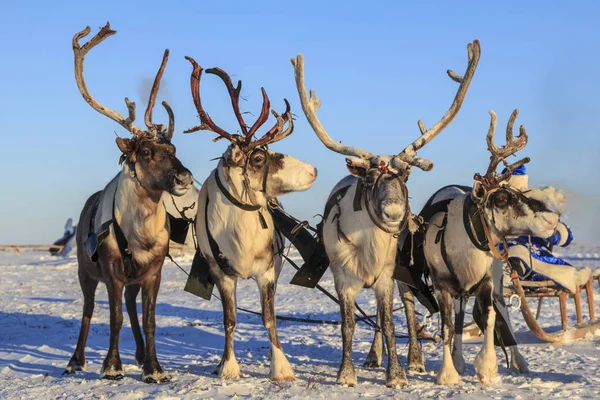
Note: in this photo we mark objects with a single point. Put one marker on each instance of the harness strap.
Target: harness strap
(475, 227)
(449, 265)
(123, 245)
(356, 203)
(219, 257)
(493, 249)
(239, 204)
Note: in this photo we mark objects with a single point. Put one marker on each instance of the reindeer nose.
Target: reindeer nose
(183, 178)
(391, 212)
(313, 174)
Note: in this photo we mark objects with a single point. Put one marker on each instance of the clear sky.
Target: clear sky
(378, 67)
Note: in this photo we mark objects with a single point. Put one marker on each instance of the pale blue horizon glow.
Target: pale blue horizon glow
(377, 67)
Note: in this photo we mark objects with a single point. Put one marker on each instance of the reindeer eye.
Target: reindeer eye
(146, 152)
(258, 158)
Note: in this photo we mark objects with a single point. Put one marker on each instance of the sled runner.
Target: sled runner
(541, 289)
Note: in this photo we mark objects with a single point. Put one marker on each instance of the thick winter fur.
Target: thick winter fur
(363, 255)
(508, 214)
(140, 213)
(250, 249)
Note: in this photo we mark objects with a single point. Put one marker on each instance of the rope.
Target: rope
(365, 318)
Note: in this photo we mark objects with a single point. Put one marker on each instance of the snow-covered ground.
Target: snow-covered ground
(40, 311)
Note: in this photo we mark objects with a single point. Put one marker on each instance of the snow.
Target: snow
(40, 311)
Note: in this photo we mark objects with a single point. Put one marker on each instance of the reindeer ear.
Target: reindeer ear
(357, 166)
(123, 144)
(478, 192)
(234, 156)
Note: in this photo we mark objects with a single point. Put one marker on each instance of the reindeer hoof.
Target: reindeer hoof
(74, 366)
(229, 369)
(114, 373)
(448, 377)
(417, 367)
(283, 379)
(347, 376)
(111, 377)
(371, 364)
(162, 378)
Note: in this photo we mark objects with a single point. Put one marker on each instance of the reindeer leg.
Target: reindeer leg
(486, 363)
(384, 290)
(347, 374)
(517, 361)
(416, 361)
(281, 370)
(112, 368)
(228, 367)
(131, 293)
(375, 356)
(448, 374)
(88, 287)
(151, 371)
(459, 322)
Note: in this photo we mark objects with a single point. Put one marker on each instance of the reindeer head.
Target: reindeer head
(263, 170)
(385, 176)
(514, 211)
(149, 155)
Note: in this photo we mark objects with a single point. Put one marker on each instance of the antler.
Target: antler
(273, 135)
(127, 123)
(234, 93)
(276, 133)
(80, 52)
(491, 180)
(206, 123)
(311, 105)
(153, 129)
(409, 154)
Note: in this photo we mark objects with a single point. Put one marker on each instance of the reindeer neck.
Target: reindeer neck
(458, 231)
(233, 179)
(140, 213)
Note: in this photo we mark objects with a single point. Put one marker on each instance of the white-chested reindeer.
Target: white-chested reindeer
(235, 230)
(461, 239)
(360, 233)
(131, 221)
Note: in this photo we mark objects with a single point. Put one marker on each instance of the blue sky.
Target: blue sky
(378, 67)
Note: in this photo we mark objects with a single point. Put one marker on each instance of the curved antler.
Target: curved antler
(262, 118)
(311, 105)
(409, 154)
(276, 133)
(206, 123)
(80, 53)
(491, 179)
(169, 134)
(153, 129)
(234, 94)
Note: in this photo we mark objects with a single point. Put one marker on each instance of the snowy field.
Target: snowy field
(40, 311)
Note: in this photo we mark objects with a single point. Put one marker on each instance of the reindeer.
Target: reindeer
(235, 231)
(369, 210)
(465, 226)
(132, 246)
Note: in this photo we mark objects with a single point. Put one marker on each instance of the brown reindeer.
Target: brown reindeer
(123, 231)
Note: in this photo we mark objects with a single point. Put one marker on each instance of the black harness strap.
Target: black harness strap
(123, 245)
(219, 257)
(356, 203)
(474, 225)
(239, 204)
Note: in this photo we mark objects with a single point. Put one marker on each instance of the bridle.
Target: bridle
(246, 180)
(369, 196)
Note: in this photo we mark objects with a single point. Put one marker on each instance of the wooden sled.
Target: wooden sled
(525, 289)
(539, 290)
